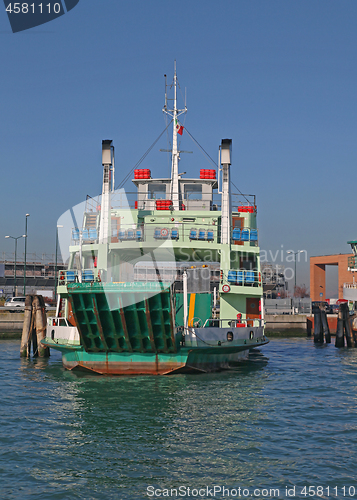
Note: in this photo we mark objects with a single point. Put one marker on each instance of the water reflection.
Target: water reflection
(263, 424)
(166, 429)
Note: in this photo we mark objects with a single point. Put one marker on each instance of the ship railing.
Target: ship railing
(233, 323)
(128, 232)
(57, 321)
(124, 200)
(350, 285)
(183, 231)
(173, 272)
(168, 231)
(92, 204)
(242, 277)
(248, 235)
(86, 235)
(244, 203)
(241, 203)
(75, 276)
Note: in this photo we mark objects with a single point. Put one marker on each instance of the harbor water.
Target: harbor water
(282, 422)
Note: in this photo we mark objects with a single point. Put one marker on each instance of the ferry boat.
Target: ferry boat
(167, 282)
(350, 289)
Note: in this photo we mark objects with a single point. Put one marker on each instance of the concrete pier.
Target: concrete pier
(282, 324)
(276, 324)
(11, 323)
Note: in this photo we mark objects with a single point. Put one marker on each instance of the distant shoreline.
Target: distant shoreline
(10, 335)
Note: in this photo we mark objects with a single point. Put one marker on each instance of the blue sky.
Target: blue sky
(277, 77)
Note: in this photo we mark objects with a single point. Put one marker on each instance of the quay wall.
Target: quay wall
(11, 323)
(277, 324)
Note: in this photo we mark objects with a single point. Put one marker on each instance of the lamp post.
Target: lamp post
(15, 238)
(27, 215)
(295, 254)
(58, 225)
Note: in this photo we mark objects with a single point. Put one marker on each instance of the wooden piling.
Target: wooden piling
(308, 327)
(34, 327)
(353, 326)
(347, 325)
(26, 329)
(325, 327)
(39, 311)
(339, 340)
(318, 332)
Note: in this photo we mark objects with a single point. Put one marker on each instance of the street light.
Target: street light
(295, 254)
(15, 238)
(58, 226)
(27, 215)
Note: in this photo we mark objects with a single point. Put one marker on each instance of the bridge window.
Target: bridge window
(193, 191)
(157, 191)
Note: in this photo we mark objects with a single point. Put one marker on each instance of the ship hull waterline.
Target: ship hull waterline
(185, 361)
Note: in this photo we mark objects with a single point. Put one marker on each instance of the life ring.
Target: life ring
(164, 232)
(196, 323)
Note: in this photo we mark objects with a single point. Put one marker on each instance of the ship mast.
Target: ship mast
(174, 113)
(108, 165)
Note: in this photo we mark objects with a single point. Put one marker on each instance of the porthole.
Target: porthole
(52, 334)
(251, 335)
(229, 336)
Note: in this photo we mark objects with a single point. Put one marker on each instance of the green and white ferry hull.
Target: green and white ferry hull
(168, 282)
(186, 360)
(140, 338)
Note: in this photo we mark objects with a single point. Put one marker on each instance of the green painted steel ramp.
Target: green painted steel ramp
(123, 317)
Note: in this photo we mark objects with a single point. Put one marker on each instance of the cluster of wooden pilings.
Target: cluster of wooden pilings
(344, 327)
(34, 328)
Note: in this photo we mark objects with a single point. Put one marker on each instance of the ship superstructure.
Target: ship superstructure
(350, 289)
(163, 280)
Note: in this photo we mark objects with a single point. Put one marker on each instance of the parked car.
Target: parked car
(15, 302)
(334, 308)
(316, 304)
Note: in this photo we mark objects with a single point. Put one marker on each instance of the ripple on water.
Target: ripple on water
(288, 416)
